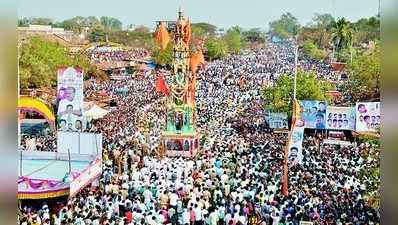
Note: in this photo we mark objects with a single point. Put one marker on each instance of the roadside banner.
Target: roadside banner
(313, 113)
(340, 118)
(70, 99)
(367, 116)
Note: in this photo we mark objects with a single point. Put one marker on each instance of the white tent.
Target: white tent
(95, 112)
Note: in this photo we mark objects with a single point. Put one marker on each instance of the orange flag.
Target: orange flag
(162, 36)
(296, 113)
(192, 89)
(196, 59)
(187, 33)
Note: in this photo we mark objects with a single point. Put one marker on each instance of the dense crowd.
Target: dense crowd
(39, 143)
(236, 180)
(110, 55)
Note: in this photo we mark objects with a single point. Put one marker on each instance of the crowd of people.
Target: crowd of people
(46, 143)
(103, 54)
(236, 178)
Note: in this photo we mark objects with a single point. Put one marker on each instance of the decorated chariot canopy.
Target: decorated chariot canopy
(181, 127)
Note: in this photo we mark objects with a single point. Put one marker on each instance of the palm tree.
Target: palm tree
(341, 35)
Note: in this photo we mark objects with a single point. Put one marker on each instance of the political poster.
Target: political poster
(367, 116)
(277, 120)
(296, 145)
(340, 118)
(313, 113)
(70, 99)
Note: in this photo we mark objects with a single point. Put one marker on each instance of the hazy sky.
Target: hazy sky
(222, 13)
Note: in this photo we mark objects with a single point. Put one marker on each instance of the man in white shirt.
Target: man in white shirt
(198, 215)
(275, 218)
(173, 199)
(213, 218)
(70, 100)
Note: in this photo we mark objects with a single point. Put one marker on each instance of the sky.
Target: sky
(222, 13)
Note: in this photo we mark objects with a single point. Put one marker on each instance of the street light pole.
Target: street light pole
(295, 70)
(351, 52)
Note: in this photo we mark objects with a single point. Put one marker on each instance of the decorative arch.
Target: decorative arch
(36, 105)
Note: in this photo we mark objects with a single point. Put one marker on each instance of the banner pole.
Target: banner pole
(20, 163)
(295, 70)
(69, 161)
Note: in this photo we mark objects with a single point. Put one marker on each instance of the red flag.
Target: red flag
(161, 85)
(241, 82)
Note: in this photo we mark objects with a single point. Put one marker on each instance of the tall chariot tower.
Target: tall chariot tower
(181, 137)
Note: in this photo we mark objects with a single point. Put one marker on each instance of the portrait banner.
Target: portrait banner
(313, 114)
(296, 145)
(340, 118)
(367, 116)
(70, 99)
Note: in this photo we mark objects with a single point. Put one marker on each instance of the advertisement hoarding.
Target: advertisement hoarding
(367, 116)
(70, 99)
(313, 113)
(340, 118)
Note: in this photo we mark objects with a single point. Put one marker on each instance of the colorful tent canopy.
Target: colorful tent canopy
(29, 188)
(96, 112)
(27, 103)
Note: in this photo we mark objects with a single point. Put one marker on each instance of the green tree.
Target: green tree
(78, 23)
(341, 36)
(209, 29)
(278, 97)
(364, 75)
(163, 57)
(324, 21)
(323, 24)
(366, 30)
(139, 37)
(198, 31)
(216, 48)
(40, 59)
(312, 51)
(253, 35)
(97, 34)
(287, 25)
(73, 24)
(111, 23)
(41, 21)
(233, 41)
(236, 29)
(23, 22)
